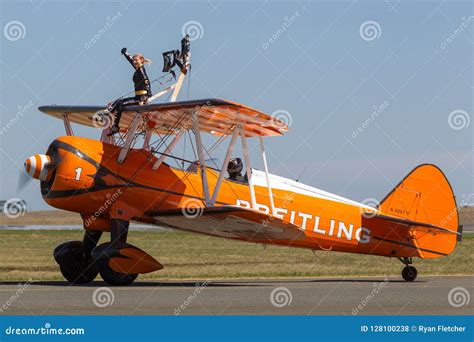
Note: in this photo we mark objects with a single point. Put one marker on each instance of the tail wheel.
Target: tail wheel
(114, 278)
(409, 273)
(75, 266)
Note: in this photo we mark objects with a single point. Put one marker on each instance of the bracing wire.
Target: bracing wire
(184, 153)
(135, 174)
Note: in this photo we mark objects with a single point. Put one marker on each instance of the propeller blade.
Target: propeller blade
(23, 180)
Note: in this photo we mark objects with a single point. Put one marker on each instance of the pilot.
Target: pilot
(234, 169)
(142, 88)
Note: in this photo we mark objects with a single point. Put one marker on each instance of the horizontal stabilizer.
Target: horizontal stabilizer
(411, 224)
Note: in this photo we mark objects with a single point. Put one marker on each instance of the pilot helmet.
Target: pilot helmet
(235, 166)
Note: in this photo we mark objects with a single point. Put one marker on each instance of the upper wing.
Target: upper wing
(229, 221)
(215, 116)
(83, 115)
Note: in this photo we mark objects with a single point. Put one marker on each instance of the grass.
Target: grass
(42, 218)
(28, 255)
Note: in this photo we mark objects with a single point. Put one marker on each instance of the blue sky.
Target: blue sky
(325, 65)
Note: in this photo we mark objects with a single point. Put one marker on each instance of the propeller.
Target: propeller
(23, 180)
(39, 166)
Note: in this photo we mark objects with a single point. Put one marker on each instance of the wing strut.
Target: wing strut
(168, 150)
(129, 138)
(235, 135)
(264, 158)
(247, 166)
(104, 137)
(67, 124)
(202, 162)
(146, 140)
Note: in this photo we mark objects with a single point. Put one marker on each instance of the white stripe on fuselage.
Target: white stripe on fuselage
(309, 221)
(282, 183)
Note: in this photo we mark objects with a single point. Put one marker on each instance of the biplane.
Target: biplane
(131, 176)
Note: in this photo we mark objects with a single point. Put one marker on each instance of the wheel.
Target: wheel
(74, 266)
(114, 278)
(409, 273)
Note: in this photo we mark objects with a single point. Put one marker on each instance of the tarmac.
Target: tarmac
(428, 295)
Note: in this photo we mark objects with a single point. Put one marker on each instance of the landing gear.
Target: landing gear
(409, 273)
(114, 278)
(106, 251)
(75, 259)
(118, 262)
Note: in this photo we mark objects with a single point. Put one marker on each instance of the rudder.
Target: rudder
(426, 196)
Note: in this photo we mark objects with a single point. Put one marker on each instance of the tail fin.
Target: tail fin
(426, 196)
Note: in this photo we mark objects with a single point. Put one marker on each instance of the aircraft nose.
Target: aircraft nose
(36, 166)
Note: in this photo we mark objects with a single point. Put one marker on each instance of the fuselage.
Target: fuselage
(90, 181)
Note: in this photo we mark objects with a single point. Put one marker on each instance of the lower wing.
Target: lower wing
(229, 221)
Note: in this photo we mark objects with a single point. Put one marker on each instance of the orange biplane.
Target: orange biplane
(118, 179)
